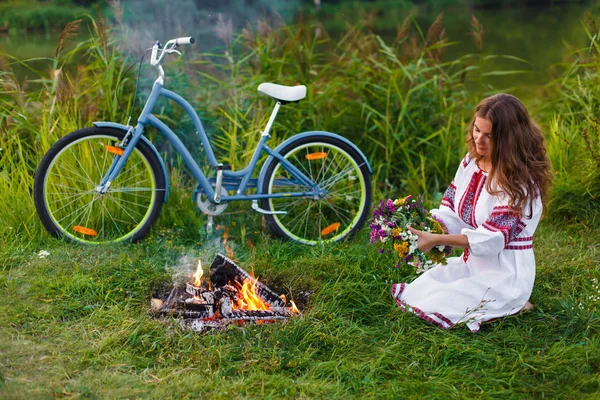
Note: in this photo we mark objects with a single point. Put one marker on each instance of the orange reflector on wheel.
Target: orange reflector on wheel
(114, 150)
(330, 228)
(85, 231)
(316, 156)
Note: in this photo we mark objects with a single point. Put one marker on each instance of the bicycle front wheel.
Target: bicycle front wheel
(335, 167)
(65, 189)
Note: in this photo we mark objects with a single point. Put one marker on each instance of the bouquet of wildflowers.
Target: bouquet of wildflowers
(388, 229)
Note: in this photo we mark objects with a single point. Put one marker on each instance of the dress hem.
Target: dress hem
(435, 318)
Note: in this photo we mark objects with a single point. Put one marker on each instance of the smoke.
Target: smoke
(213, 23)
(187, 264)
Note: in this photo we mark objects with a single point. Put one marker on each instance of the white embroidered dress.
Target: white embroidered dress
(495, 276)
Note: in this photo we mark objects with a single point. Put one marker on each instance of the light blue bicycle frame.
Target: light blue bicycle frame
(243, 176)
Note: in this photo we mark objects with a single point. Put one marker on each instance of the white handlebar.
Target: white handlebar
(158, 53)
(185, 40)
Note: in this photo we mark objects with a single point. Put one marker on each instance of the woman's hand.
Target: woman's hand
(426, 240)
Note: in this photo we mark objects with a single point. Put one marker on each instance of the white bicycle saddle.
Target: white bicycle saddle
(283, 93)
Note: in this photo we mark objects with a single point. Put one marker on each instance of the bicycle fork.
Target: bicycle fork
(122, 152)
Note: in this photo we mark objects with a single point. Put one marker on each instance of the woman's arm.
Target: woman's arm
(428, 241)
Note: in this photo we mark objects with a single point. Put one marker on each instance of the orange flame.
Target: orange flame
(294, 308)
(228, 248)
(250, 300)
(198, 275)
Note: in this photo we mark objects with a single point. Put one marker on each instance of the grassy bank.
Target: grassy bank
(77, 324)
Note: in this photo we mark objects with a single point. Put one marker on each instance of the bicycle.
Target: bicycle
(107, 183)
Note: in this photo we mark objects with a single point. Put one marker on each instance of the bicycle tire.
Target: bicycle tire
(65, 180)
(335, 208)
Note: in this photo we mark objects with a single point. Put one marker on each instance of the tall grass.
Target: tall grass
(66, 99)
(398, 101)
(574, 140)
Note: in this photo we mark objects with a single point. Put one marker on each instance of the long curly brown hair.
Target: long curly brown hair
(520, 166)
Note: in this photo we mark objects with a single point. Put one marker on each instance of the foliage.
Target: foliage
(574, 140)
(38, 16)
(399, 103)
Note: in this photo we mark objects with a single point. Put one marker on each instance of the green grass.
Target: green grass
(78, 323)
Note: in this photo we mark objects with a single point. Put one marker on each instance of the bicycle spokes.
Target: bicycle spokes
(74, 202)
(314, 219)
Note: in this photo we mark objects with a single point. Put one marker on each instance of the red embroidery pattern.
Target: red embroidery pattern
(525, 247)
(448, 199)
(520, 243)
(466, 160)
(523, 239)
(439, 320)
(466, 210)
(504, 219)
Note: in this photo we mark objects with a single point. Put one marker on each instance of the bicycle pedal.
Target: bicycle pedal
(255, 207)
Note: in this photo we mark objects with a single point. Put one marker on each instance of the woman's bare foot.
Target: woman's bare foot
(527, 307)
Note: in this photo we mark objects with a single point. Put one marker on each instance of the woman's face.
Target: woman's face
(482, 136)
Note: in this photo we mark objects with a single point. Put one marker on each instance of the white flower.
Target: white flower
(441, 247)
(414, 245)
(43, 254)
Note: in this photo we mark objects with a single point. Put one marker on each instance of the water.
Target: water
(543, 36)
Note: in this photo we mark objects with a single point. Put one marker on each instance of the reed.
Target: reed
(571, 107)
(403, 106)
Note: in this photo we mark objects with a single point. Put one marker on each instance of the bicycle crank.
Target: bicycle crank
(209, 208)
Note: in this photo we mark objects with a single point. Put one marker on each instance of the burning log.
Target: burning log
(224, 271)
(234, 296)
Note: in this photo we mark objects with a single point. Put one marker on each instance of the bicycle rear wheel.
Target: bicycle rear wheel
(335, 167)
(65, 189)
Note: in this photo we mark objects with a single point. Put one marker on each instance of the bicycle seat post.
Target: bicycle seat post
(271, 119)
(220, 168)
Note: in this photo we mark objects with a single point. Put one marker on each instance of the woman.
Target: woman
(491, 209)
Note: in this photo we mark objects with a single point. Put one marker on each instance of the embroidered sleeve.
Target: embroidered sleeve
(449, 195)
(505, 220)
(494, 235)
(447, 210)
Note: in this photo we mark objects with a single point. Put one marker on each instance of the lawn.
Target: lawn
(78, 323)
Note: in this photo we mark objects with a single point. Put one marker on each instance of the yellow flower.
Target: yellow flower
(396, 231)
(437, 257)
(400, 201)
(436, 227)
(401, 249)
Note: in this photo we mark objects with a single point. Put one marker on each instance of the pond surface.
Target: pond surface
(541, 35)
